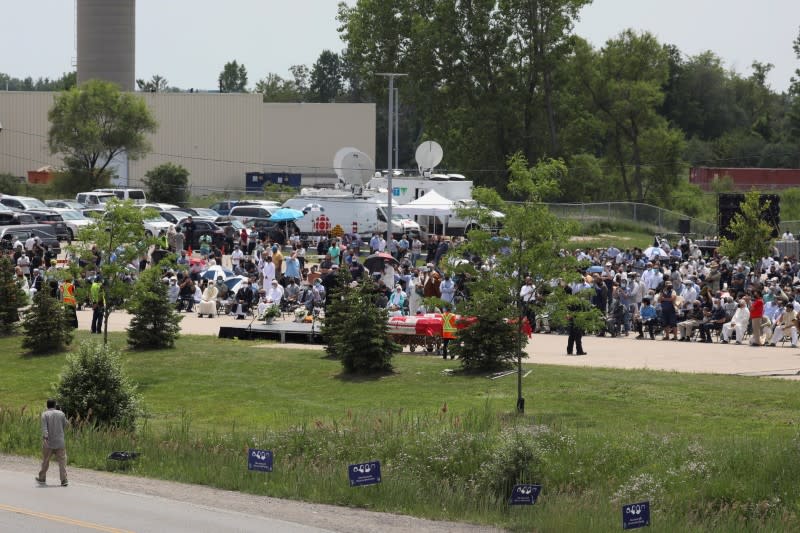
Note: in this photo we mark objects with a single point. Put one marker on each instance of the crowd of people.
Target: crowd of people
(684, 293)
(676, 291)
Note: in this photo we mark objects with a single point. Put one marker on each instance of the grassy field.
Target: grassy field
(711, 452)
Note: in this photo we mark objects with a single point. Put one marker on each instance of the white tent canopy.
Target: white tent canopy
(431, 203)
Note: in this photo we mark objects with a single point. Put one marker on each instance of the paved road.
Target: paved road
(103, 501)
(27, 506)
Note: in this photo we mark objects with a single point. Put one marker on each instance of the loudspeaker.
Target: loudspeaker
(728, 206)
(684, 226)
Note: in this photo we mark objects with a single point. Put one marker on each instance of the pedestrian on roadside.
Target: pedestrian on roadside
(54, 422)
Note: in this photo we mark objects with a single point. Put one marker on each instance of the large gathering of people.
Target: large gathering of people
(676, 291)
(681, 292)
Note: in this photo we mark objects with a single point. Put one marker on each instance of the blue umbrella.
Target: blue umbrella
(285, 214)
(594, 269)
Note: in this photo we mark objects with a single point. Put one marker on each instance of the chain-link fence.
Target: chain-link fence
(647, 216)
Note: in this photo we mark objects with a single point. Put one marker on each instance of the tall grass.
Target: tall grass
(460, 466)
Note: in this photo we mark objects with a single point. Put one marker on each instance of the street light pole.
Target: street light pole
(390, 145)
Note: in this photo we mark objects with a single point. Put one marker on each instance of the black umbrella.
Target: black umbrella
(376, 262)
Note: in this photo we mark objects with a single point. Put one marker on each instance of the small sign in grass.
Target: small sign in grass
(635, 515)
(525, 494)
(259, 460)
(362, 474)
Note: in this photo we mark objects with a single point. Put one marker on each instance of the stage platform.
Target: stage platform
(282, 330)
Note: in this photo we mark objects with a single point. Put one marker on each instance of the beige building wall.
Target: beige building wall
(217, 137)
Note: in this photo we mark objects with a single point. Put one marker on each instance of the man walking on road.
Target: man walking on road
(54, 422)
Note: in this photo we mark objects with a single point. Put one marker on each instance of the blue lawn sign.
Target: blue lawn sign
(364, 474)
(260, 460)
(525, 494)
(636, 515)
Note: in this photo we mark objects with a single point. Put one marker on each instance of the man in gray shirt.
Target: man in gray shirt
(54, 422)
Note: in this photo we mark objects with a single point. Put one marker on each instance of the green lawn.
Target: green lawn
(717, 453)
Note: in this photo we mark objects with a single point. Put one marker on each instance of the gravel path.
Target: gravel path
(328, 517)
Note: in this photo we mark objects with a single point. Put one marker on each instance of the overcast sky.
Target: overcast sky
(188, 41)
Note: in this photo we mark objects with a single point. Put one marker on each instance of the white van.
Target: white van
(137, 195)
(361, 214)
(94, 199)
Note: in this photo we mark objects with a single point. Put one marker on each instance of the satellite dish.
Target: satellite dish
(356, 168)
(428, 155)
(337, 159)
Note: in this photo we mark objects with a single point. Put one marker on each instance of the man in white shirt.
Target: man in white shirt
(268, 273)
(739, 322)
(652, 277)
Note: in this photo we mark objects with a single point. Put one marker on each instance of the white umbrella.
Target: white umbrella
(313, 208)
(655, 251)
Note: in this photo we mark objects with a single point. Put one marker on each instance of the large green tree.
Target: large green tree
(326, 78)
(94, 123)
(500, 58)
(624, 81)
(233, 78)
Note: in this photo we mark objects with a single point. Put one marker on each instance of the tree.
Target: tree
(351, 313)
(233, 78)
(94, 123)
(752, 235)
(273, 88)
(156, 84)
(94, 386)
(624, 82)
(116, 240)
(154, 322)
(65, 82)
(9, 184)
(794, 95)
(167, 183)
(45, 326)
(326, 78)
(528, 243)
(11, 298)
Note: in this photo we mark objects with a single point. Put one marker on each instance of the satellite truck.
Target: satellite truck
(454, 187)
(350, 205)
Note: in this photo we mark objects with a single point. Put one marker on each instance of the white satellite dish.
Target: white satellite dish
(428, 155)
(337, 159)
(356, 168)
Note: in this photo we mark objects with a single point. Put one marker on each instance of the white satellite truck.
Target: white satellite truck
(350, 205)
(408, 190)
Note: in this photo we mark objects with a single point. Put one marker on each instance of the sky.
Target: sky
(189, 41)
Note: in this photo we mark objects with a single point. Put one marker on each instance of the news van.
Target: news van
(355, 213)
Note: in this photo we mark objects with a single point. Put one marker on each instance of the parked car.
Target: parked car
(203, 227)
(54, 220)
(22, 203)
(235, 227)
(173, 217)
(248, 211)
(276, 231)
(15, 218)
(25, 232)
(224, 208)
(158, 206)
(64, 204)
(75, 221)
(200, 212)
(94, 199)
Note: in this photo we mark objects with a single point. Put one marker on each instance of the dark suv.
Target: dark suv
(15, 219)
(203, 227)
(52, 219)
(24, 232)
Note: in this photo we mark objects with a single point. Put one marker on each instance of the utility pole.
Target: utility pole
(397, 128)
(390, 145)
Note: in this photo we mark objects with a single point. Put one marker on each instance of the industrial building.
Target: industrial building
(217, 137)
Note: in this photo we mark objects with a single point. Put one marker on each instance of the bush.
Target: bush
(94, 386)
(517, 458)
(155, 323)
(167, 183)
(11, 298)
(10, 184)
(45, 325)
(356, 330)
